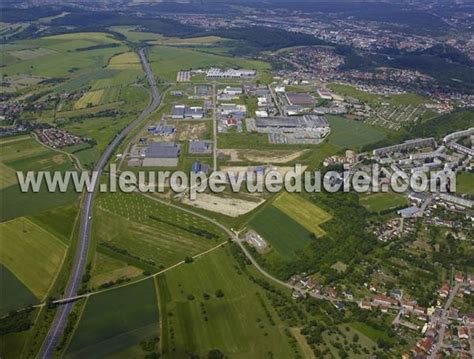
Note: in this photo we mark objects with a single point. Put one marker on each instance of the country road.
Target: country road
(80, 259)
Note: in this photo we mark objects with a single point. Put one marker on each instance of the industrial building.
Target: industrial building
(200, 147)
(184, 112)
(306, 121)
(217, 73)
(233, 91)
(302, 99)
(162, 130)
(407, 145)
(203, 90)
(307, 129)
(161, 154)
(231, 109)
(325, 94)
(198, 167)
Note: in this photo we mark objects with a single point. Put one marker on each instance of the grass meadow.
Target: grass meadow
(305, 213)
(378, 202)
(23, 153)
(101, 331)
(465, 183)
(352, 134)
(196, 319)
(14, 294)
(150, 230)
(286, 236)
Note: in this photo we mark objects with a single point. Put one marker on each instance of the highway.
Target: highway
(80, 259)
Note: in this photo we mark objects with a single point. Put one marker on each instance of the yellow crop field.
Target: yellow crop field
(302, 211)
(91, 98)
(125, 61)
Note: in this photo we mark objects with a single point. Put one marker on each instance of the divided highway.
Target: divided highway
(80, 260)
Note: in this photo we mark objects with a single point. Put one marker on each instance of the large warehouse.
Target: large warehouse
(162, 154)
(302, 99)
(306, 121)
(216, 73)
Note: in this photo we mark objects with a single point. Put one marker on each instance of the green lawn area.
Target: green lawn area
(285, 235)
(303, 212)
(31, 253)
(150, 230)
(235, 323)
(14, 294)
(370, 332)
(465, 183)
(378, 202)
(352, 134)
(115, 320)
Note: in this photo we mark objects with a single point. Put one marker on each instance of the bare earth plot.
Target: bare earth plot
(232, 207)
(271, 157)
(303, 212)
(191, 131)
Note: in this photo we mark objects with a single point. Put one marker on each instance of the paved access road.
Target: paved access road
(60, 320)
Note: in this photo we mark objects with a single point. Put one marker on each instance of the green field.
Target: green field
(303, 212)
(125, 61)
(285, 235)
(25, 154)
(352, 134)
(58, 221)
(107, 269)
(115, 320)
(166, 61)
(14, 294)
(346, 335)
(150, 230)
(31, 253)
(465, 183)
(153, 38)
(235, 323)
(63, 54)
(378, 202)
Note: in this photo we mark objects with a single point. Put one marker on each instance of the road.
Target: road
(214, 128)
(443, 320)
(80, 259)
